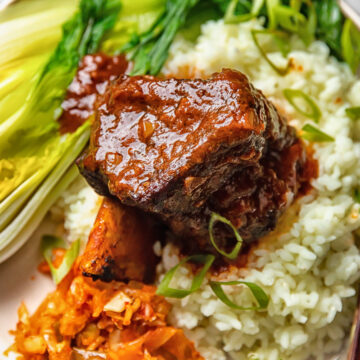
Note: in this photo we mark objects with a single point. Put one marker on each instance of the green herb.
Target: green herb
(150, 49)
(278, 37)
(260, 296)
(48, 244)
(313, 112)
(234, 253)
(165, 290)
(311, 133)
(353, 112)
(350, 44)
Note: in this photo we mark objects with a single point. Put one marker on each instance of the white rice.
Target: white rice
(76, 209)
(310, 273)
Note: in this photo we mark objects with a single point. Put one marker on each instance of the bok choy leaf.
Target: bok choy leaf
(34, 157)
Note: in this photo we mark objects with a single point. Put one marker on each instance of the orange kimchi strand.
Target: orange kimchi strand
(86, 319)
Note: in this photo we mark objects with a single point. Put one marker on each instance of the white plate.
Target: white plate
(20, 281)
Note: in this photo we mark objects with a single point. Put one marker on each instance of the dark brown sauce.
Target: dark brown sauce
(93, 75)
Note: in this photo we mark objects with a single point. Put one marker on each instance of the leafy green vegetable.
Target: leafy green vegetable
(32, 149)
(235, 251)
(259, 294)
(150, 48)
(165, 290)
(310, 109)
(353, 112)
(330, 22)
(311, 133)
(48, 244)
(31, 215)
(203, 11)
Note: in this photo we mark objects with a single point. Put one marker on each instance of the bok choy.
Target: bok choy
(34, 157)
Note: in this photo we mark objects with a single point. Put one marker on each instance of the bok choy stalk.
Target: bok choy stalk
(34, 157)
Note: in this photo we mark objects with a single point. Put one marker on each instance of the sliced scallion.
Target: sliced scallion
(289, 18)
(230, 16)
(235, 251)
(271, 6)
(257, 6)
(164, 289)
(350, 44)
(307, 34)
(50, 242)
(259, 294)
(311, 133)
(353, 112)
(313, 112)
(277, 35)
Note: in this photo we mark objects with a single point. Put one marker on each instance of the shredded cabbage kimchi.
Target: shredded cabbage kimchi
(86, 319)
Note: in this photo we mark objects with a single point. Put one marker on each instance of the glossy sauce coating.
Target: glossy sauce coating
(147, 133)
(182, 149)
(95, 72)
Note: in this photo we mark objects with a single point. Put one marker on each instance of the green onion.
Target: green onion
(311, 133)
(257, 6)
(234, 253)
(231, 18)
(278, 37)
(50, 242)
(350, 45)
(260, 296)
(271, 12)
(307, 34)
(291, 95)
(165, 290)
(353, 112)
(289, 19)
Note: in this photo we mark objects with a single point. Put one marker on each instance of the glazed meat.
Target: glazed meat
(182, 149)
(120, 245)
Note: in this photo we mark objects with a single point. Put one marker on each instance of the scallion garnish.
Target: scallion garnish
(289, 18)
(165, 290)
(350, 44)
(235, 251)
(230, 16)
(311, 133)
(271, 6)
(353, 112)
(48, 243)
(260, 296)
(277, 35)
(313, 112)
